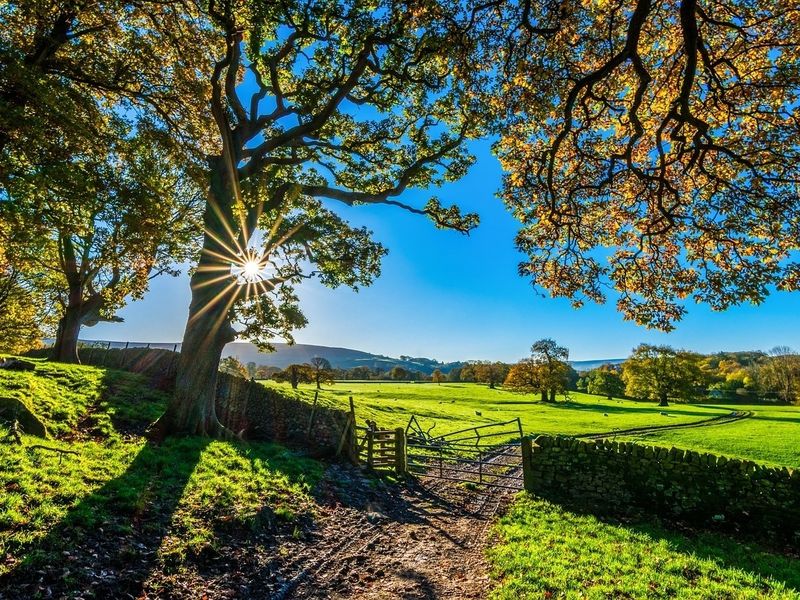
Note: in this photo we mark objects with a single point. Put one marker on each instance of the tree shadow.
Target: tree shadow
(109, 541)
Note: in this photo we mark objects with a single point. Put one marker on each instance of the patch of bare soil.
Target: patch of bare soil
(422, 540)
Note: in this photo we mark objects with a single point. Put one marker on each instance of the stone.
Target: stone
(17, 364)
(14, 409)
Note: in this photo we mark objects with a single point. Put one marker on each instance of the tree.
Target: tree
(87, 90)
(323, 372)
(781, 373)
(605, 382)
(266, 372)
(363, 372)
(552, 361)
(24, 314)
(467, 372)
(295, 375)
(65, 67)
(493, 373)
(290, 137)
(526, 377)
(661, 372)
(437, 376)
(233, 366)
(664, 130)
(94, 231)
(398, 373)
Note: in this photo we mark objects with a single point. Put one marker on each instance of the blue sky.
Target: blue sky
(451, 297)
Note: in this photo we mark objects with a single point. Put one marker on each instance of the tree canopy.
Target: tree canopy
(317, 104)
(661, 372)
(651, 149)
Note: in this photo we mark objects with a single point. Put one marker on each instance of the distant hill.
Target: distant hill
(588, 365)
(340, 358)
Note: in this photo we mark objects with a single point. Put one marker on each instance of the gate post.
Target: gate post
(527, 464)
(400, 458)
(370, 441)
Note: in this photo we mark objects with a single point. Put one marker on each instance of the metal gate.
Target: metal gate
(484, 455)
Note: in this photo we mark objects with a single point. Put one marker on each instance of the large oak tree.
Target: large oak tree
(316, 104)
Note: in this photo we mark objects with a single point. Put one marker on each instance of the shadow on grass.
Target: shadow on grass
(724, 549)
(108, 542)
(728, 552)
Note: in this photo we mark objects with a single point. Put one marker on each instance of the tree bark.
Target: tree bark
(544, 395)
(192, 408)
(552, 394)
(663, 400)
(65, 348)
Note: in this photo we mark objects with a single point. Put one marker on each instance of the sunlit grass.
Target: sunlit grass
(188, 490)
(545, 551)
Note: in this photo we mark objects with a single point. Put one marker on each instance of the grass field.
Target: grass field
(545, 551)
(165, 502)
(769, 436)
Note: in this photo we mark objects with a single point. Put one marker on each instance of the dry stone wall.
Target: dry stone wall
(261, 413)
(625, 478)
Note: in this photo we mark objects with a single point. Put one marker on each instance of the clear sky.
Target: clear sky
(451, 297)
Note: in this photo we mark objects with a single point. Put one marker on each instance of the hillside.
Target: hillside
(340, 358)
(95, 507)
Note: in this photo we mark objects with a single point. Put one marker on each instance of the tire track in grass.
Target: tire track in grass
(732, 417)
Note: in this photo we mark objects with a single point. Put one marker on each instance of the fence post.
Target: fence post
(527, 464)
(400, 459)
(311, 416)
(370, 438)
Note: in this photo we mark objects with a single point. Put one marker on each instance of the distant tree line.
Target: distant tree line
(652, 373)
(662, 373)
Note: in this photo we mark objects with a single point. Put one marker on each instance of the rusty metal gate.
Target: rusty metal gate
(484, 455)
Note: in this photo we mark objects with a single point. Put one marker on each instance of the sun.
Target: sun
(250, 268)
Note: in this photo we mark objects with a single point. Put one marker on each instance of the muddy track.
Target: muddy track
(423, 539)
(734, 416)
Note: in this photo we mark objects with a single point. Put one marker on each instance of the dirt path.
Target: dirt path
(423, 540)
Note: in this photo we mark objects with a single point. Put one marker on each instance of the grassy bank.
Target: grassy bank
(117, 496)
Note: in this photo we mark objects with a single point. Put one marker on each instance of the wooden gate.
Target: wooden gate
(484, 455)
(382, 449)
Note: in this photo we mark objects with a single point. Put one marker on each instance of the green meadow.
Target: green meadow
(168, 507)
(769, 436)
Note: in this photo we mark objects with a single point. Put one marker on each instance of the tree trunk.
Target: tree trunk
(544, 395)
(552, 394)
(65, 348)
(192, 408)
(663, 400)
